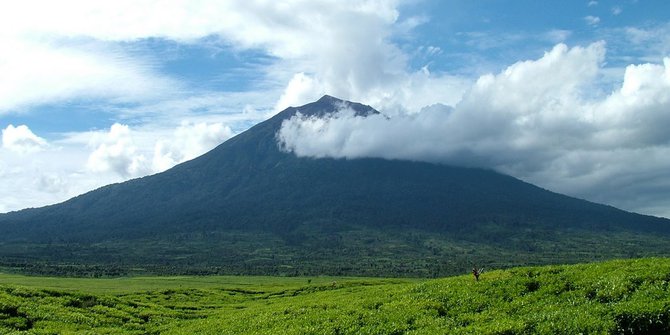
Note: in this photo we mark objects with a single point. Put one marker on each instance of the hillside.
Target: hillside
(616, 297)
(246, 207)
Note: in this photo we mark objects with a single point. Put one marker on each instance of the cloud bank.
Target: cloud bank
(541, 120)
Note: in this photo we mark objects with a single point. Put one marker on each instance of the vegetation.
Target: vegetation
(615, 297)
(363, 252)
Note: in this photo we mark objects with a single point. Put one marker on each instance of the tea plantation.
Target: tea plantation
(615, 297)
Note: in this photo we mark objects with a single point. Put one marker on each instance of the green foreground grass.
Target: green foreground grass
(615, 297)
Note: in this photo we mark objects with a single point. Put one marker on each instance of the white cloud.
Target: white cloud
(537, 120)
(592, 3)
(37, 73)
(592, 20)
(188, 141)
(616, 10)
(116, 152)
(511, 104)
(21, 139)
(44, 177)
(252, 24)
(120, 20)
(341, 47)
(558, 35)
(300, 89)
(80, 162)
(51, 182)
(653, 41)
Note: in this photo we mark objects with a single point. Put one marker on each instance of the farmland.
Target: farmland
(615, 297)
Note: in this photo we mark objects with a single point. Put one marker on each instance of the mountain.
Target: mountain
(249, 207)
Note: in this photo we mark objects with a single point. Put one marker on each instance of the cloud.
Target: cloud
(116, 152)
(539, 120)
(653, 41)
(300, 88)
(592, 20)
(21, 139)
(77, 49)
(38, 73)
(82, 161)
(558, 35)
(345, 49)
(121, 20)
(496, 108)
(188, 141)
(42, 177)
(616, 10)
(592, 3)
(51, 182)
(82, 49)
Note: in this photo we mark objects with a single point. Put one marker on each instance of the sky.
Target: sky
(573, 96)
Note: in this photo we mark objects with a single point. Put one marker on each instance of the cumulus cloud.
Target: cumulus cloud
(507, 108)
(301, 88)
(188, 141)
(537, 120)
(82, 161)
(116, 152)
(21, 139)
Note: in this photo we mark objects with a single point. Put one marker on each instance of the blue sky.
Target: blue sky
(571, 95)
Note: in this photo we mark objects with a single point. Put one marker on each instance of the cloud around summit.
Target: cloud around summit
(542, 120)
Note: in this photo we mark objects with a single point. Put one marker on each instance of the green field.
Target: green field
(616, 297)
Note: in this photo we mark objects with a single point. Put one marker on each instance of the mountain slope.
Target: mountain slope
(247, 195)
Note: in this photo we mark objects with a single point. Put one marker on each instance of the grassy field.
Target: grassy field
(616, 297)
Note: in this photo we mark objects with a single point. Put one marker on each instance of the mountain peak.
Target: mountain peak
(328, 104)
(330, 98)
